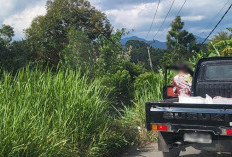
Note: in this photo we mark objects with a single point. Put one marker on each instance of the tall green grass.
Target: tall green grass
(148, 88)
(46, 114)
(65, 114)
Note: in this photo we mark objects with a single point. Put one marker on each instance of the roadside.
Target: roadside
(151, 150)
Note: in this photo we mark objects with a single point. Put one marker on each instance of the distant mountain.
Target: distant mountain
(157, 44)
(200, 39)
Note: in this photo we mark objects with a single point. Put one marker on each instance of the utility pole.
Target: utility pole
(149, 56)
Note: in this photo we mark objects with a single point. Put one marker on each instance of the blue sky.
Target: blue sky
(199, 15)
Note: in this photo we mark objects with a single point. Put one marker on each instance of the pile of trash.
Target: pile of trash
(207, 100)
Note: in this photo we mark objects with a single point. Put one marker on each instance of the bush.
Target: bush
(120, 82)
(120, 87)
(148, 87)
(66, 114)
(47, 114)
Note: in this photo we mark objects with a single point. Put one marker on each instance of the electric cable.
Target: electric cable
(217, 24)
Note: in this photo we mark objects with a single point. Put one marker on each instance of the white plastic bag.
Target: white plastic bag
(191, 100)
(208, 99)
(222, 100)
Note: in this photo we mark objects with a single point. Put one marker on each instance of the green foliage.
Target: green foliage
(13, 55)
(121, 87)
(16, 57)
(48, 35)
(120, 82)
(148, 79)
(171, 59)
(221, 36)
(133, 69)
(139, 54)
(69, 112)
(148, 88)
(178, 40)
(229, 29)
(182, 46)
(220, 44)
(117, 73)
(79, 52)
(110, 52)
(60, 114)
(6, 34)
(195, 58)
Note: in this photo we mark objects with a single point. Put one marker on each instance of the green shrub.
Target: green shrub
(120, 87)
(62, 114)
(148, 87)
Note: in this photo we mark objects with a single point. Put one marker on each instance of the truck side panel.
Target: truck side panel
(204, 115)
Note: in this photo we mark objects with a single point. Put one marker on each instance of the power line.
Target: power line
(178, 11)
(165, 18)
(153, 19)
(215, 16)
(217, 24)
(148, 48)
(181, 8)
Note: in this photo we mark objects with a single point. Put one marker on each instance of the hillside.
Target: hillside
(157, 44)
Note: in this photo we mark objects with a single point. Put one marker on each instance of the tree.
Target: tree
(220, 44)
(48, 35)
(79, 52)
(230, 30)
(139, 55)
(178, 40)
(110, 52)
(222, 35)
(6, 34)
(13, 54)
(48, 4)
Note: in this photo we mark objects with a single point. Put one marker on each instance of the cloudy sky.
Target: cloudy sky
(200, 16)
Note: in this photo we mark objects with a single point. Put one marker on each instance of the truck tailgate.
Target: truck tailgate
(205, 115)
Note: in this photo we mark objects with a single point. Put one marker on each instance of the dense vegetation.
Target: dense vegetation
(71, 89)
(65, 113)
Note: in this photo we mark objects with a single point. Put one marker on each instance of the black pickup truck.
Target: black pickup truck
(207, 127)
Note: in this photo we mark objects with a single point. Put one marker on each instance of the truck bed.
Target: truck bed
(181, 116)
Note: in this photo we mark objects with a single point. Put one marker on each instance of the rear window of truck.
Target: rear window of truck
(218, 72)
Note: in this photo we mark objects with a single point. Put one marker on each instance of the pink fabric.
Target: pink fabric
(181, 84)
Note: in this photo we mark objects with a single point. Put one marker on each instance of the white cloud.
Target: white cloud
(130, 14)
(133, 16)
(7, 6)
(192, 18)
(22, 20)
(96, 4)
(196, 14)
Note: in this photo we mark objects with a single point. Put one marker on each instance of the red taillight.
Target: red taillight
(229, 131)
(158, 127)
(162, 128)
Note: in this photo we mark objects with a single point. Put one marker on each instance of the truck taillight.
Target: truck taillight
(163, 127)
(159, 127)
(226, 132)
(229, 132)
